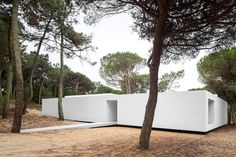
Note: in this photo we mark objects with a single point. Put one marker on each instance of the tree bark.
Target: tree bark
(152, 100)
(128, 82)
(76, 88)
(55, 89)
(40, 91)
(16, 126)
(28, 100)
(154, 70)
(60, 85)
(0, 82)
(9, 76)
(233, 118)
(229, 115)
(8, 92)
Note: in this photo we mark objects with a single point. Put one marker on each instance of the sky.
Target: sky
(114, 34)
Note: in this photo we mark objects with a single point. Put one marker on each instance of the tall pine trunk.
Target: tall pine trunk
(16, 126)
(0, 82)
(154, 71)
(60, 85)
(8, 92)
(30, 97)
(8, 95)
(152, 99)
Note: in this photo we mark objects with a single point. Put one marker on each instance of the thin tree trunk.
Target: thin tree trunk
(154, 70)
(128, 82)
(233, 118)
(7, 97)
(8, 92)
(60, 85)
(55, 90)
(16, 126)
(40, 91)
(0, 82)
(229, 115)
(76, 88)
(28, 100)
(129, 89)
(126, 85)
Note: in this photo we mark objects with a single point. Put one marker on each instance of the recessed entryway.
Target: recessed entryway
(210, 111)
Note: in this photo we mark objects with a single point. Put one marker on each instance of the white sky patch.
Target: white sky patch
(114, 34)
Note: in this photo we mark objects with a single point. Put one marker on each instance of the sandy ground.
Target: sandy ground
(117, 141)
(32, 119)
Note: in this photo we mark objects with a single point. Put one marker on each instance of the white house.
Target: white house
(198, 111)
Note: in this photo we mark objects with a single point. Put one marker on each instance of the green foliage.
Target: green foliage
(218, 72)
(170, 80)
(100, 88)
(121, 70)
(196, 89)
(77, 83)
(117, 69)
(42, 66)
(47, 92)
(45, 71)
(189, 25)
(139, 83)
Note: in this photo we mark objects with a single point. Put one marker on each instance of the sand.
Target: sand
(32, 119)
(115, 141)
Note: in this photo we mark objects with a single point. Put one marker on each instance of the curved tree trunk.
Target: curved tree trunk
(40, 91)
(152, 100)
(28, 100)
(154, 70)
(8, 92)
(60, 85)
(16, 126)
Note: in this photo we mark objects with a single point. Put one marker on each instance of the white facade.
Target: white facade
(175, 110)
(190, 111)
(93, 108)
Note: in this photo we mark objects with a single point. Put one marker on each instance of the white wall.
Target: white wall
(83, 108)
(175, 110)
(49, 107)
